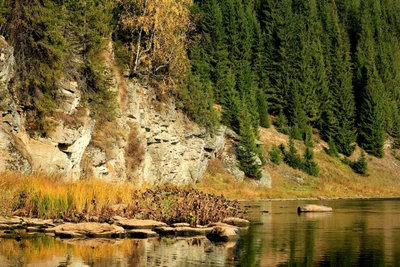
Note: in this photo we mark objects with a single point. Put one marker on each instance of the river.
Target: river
(357, 233)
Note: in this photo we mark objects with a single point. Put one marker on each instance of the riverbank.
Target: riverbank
(38, 196)
(19, 228)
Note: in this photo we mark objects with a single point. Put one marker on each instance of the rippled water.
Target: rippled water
(356, 233)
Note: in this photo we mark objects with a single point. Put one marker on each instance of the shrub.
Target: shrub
(275, 155)
(359, 166)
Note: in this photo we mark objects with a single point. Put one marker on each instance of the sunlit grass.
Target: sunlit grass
(50, 197)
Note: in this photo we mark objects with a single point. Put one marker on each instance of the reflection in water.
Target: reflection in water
(356, 233)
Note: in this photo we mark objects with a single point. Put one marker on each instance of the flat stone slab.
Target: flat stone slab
(38, 222)
(90, 229)
(236, 222)
(12, 220)
(314, 208)
(141, 233)
(180, 225)
(137, 224)
(32, 229)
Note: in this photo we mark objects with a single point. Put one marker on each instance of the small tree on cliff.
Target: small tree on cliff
(247, 150)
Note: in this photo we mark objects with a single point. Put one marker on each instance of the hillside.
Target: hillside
(336, 179)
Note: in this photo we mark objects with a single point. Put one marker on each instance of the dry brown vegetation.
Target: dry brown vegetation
(134, 151)
(336, 179)
(107, 136)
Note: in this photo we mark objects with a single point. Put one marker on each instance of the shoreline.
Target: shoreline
(318, 199)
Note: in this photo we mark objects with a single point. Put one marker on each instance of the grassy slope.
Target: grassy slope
(335, 179)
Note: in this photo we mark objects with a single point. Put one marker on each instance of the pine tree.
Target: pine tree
(263, 109)
(310, 166)
(247, 150)
(339, 111)
(370, 92)
(230, 101)
(361, 165)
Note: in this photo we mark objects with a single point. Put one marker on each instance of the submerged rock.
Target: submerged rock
(314, 208)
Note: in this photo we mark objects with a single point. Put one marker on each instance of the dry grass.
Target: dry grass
(49, 197)
(336, 179)
(94, 200)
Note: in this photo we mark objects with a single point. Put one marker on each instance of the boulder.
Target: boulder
(223, 234)
(314, 208)
(95, 230)
(137, 224)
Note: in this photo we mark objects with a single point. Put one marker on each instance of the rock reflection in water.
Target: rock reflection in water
(48, 251)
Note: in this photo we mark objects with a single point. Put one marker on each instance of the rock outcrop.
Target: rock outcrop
(168, 147)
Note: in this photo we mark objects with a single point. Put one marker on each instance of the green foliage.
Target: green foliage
(310, 166)
(296, 132)
(275, 155)
(54, 40)
(332, 151)
(247, 150)
(359, 166)
(308, 137)
(197, 103)
(292, 157)
(281, 122)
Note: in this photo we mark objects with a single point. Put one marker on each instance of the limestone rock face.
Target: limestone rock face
(176, 150)
(171, 148)
(60, 152)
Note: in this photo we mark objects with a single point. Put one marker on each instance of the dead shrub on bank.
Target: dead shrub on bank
(134, 152)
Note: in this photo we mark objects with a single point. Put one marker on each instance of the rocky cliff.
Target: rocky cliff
(149, 142)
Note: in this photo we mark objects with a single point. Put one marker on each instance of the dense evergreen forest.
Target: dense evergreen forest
(326, 66)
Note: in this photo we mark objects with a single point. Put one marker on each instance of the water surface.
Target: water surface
(356, 233)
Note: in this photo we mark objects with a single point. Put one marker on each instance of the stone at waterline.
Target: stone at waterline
(314, 208)
(183, 231)
(224, 234)
(236, 222)
(141, 233)
(74, 230)
(137, 224)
